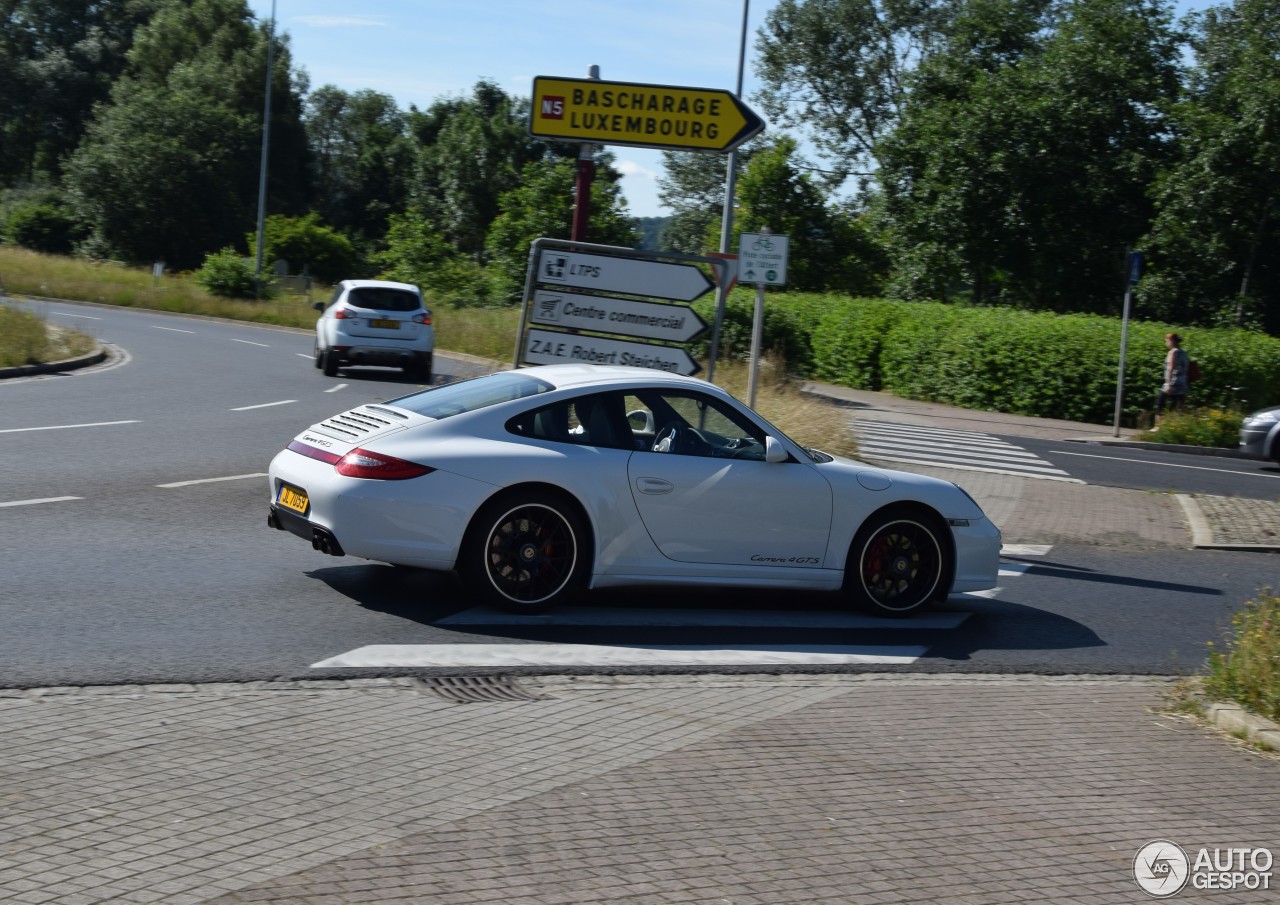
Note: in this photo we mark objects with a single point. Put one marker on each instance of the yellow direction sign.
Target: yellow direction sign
(644, 116)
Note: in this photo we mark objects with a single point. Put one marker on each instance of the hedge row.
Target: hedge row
(1000, 359)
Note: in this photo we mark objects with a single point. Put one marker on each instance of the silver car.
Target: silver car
(375, 322)
(1260, 434)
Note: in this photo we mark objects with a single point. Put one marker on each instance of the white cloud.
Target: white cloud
(636, 170)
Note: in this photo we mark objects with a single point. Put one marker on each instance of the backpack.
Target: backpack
(1193, 371)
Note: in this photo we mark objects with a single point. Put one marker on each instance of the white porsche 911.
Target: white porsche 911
(537, 482)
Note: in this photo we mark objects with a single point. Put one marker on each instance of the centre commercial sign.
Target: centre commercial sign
(569, 288)
(640, 115)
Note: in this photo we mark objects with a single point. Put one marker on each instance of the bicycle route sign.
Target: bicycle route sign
(762, 259)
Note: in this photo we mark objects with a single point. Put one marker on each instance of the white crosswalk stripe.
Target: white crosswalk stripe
(913, 444)
(727, 653)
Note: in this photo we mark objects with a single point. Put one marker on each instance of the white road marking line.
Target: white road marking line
(1006, 453)
(340, 386)
(234, 477)
(1025, 549)
(700, 618)
(250, 343)
(87, 317)
(172, 329)
(1172, 465)
(60, 427)
(303, 355)
(1013, 568)
(265, 405)
(463, 655)
(898, 430)
(947, 463)
(52, 499)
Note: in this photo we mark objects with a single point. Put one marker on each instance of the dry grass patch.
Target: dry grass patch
(808, 420)
(27, 340)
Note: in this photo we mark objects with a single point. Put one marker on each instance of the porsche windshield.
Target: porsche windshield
(469, 395)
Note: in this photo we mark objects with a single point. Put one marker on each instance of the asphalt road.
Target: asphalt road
(133, 535)
(1144, 469)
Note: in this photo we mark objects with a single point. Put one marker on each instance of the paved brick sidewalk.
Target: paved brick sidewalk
(740, 790)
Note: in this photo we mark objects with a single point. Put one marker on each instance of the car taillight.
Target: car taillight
(342, 314)
(360, 463)
(422, 318)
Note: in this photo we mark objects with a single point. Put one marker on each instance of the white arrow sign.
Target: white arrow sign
(602, 273)
(545, 347)
(626, 317)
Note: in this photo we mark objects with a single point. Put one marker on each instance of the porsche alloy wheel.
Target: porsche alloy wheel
(898, 564)
(529, 554)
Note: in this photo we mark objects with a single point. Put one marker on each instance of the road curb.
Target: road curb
(1238, 721)
(1218, 451)
(55, 367)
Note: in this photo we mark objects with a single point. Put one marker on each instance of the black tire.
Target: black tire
(330, 364)
(420, 370)
(525, 551)
(899, 562)
(319, 356)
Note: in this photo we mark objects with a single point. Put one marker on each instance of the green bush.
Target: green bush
(44, 227)
(1022, 362)
(306, 242)
(1247, 668)
(228, 275)
(1197, 427)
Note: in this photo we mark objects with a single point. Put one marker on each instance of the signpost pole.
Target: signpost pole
(1133, 269)
(726, 219)
(582, 183)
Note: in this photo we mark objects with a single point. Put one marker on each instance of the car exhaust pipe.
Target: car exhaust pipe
(323, 540)
(273, 522)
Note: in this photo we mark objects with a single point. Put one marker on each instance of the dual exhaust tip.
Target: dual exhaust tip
(322, 539)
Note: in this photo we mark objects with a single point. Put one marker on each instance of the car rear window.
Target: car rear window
(384, 299)
(469, 395)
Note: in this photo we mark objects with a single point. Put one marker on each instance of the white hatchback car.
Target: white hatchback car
(375, 322)
(536, 482)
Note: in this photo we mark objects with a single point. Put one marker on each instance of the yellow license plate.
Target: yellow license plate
(390, 325)
(292, 498)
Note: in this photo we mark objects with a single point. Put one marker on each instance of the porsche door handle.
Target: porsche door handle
(654, 485)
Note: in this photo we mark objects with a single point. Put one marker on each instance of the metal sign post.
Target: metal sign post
(1134, 269)
(762, 259)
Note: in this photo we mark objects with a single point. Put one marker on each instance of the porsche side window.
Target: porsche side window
(594, 420)
(694, 425)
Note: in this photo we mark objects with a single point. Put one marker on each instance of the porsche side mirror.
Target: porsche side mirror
(774, 451)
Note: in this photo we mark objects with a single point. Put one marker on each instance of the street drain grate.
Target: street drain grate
(476, 689)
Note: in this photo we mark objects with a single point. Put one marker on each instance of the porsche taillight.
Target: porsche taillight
(360, 463)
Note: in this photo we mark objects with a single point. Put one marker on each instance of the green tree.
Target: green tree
(692, 186)
(839, 69)
(306, 243)
(472, 150)
(169, 168)
(58, 58)
(1215, 243)
(542, 206)
(1020, 169)
(362, 159)
(826, 251)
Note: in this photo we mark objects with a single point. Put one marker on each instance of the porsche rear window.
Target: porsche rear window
(383, 299)
(469, 395)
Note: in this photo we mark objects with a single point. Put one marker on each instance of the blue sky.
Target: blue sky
(419, 51)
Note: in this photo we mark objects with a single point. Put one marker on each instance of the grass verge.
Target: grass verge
(27, 340)
(1246, 667)
(1197, 427)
